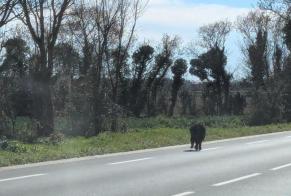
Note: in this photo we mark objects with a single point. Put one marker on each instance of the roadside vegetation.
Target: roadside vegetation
(142, 134)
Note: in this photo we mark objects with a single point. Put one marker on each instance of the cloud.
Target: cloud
(180, 14)
(183, 17)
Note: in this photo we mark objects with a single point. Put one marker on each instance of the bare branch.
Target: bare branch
(215, 34)
(6, 9)
(282, 8)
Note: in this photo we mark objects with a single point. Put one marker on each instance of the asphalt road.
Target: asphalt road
(255, 166)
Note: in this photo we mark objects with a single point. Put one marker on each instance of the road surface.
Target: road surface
(252, 166)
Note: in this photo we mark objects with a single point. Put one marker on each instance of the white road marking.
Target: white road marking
(209, 149)
(131, 161)
(281, 167)
(237, 179)
(258, 142)
(184, 194)
(288, 136)
(21, 177)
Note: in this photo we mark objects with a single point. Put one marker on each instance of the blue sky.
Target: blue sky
(235, 3)
(184, 17)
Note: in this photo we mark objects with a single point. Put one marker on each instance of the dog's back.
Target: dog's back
(198, 132)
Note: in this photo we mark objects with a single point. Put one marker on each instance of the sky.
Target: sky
(184, 17)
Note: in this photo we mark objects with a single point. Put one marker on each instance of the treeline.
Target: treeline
(80, 62)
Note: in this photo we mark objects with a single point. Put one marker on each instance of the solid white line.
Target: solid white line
(281, 167)
(131, 161)
(258, 142)
(184, 194)
(237, 179)
(209, 149)
(21, 177)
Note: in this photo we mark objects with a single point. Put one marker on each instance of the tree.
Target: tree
(14, 82)
(238, 104)
(156, 74)
(43, 19)
(16, 57)
(210, 66)
(6, 8)
(264, 56)
(287, 73)
(257, 54)
(179, 69)
(214, 35)
(66, 64)
(188, 101)
(82, 28)
(125, 23)
(279, 7)
(163, 62)
(142, 58)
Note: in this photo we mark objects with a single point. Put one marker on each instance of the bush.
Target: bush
(16, 147)
(11, 146)
(3, 142)
(56, 138)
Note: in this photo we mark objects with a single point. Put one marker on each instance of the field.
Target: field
(142, 134)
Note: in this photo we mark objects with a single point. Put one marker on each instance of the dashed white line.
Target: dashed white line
(131, 161)
(209, 149)
(237, 179)
(281, 167)
(258, 142)
(184, 194)
(21, 177)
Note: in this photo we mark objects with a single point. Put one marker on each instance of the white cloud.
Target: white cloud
(179, 17)
(182, 14)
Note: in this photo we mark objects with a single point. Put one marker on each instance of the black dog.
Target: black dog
(198, 133)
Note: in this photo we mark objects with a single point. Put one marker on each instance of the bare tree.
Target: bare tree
(250, 25)
(125, 23)
(282, 8)
(6, 9)
(43, 19)
(105, 29)
(215, 34)
(82, 30)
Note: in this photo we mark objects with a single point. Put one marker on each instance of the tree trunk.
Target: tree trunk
(43, 107)
(173, 104)
(97, 96)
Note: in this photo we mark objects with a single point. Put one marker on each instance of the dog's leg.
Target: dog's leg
(196, 146)
(200, 146)
(192, 142)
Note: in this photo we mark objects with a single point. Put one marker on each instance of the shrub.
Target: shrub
(3, 142)
(16, 147)
(56, 138)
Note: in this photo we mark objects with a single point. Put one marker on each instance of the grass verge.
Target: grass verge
(135, 139)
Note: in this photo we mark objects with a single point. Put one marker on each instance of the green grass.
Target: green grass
(142, 134)
(185, 122)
